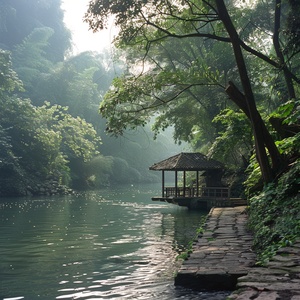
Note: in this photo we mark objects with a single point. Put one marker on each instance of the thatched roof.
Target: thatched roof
(187, 162)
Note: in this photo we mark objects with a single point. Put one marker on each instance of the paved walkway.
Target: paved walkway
(221, 255)
(279, 280)
(222, 260)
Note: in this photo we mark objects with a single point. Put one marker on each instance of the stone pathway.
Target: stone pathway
(279, 280)
(222, 260)
(221, 255)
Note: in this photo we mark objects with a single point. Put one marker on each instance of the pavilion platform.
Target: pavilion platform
(205, 199)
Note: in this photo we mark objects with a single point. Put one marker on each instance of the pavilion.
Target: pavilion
(185, 194)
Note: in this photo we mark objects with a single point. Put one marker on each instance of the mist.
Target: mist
(50, 128)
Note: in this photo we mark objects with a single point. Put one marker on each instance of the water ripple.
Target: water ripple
(101, 245)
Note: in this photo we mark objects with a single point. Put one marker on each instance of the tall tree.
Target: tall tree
(145, 23)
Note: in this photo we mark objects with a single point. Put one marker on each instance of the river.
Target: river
(106, 244)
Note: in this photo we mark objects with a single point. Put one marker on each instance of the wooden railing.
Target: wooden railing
(207, 192)
(215, 192)
(181, 192)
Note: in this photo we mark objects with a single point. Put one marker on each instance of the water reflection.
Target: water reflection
(102, 245)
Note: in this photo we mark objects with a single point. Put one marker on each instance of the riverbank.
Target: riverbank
(223, 259)
(33, 186)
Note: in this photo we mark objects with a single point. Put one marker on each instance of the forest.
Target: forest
(221, 77)
(51, 135)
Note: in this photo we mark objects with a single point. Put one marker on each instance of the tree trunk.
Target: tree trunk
(280, 56)
(254, 115)
(240, 100)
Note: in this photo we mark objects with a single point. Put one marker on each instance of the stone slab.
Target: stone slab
(221, 254)
(279, 279)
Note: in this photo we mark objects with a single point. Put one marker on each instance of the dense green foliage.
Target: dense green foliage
(182, 56)
(234, 140)
(38, 142)
(274, 212)
(49, 123)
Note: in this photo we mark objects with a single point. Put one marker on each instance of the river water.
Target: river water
(108, 244)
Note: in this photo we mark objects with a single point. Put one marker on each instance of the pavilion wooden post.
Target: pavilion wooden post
(184, 182)
(163, 183)
(176, 184)
(197, 184)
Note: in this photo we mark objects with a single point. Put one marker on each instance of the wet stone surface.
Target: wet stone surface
(221, 255)
(278, 280)
(222, 259)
